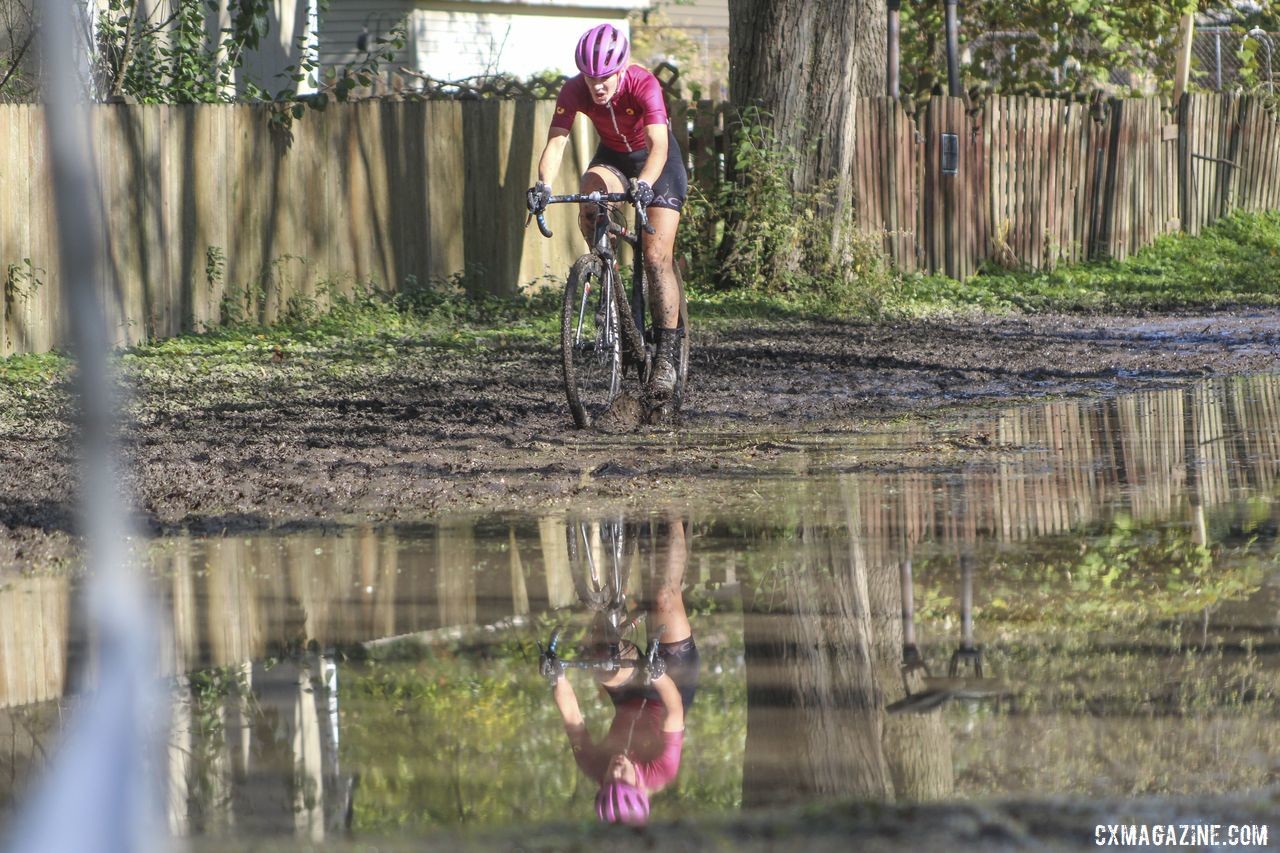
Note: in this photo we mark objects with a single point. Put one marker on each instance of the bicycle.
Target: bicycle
(600, 558)
(604, 339)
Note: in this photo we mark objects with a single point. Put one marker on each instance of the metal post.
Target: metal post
(1217, 57)
(1265, 40)
(893, 55)
(966, 601)
(953, 50)
(908, 604)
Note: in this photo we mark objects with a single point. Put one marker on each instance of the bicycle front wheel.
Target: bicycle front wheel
(590, 343)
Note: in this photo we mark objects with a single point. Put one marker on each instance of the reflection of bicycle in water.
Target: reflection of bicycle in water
(651, 690)
(602, 556)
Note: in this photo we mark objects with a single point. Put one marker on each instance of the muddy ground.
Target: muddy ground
(433, 430)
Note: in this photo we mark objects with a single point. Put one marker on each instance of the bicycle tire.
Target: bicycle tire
(600, 555)
(590, 342)
(632, 337)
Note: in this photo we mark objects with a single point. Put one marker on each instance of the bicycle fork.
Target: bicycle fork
(607, 330)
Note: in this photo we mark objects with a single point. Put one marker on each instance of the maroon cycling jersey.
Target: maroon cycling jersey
(621, 122)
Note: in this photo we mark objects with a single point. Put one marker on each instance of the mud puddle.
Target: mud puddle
(1077, 599)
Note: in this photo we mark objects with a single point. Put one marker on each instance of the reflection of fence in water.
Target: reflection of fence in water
(1056, 465)
(1052, 468)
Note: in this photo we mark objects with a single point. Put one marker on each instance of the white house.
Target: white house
(454, 40)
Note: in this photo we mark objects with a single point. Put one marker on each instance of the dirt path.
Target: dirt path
(427, 431)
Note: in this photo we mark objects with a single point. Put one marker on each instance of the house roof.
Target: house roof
(698, 13)
(574, 5)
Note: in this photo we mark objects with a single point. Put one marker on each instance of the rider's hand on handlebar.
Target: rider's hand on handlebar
(641, 193)
(550, 667)
(538, 197)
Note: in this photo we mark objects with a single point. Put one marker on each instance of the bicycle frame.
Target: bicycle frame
(602, 246)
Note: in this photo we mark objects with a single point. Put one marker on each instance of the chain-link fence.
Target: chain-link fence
(1010, 60)
(1216, 62)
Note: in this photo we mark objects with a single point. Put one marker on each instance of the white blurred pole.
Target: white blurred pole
(98, 794)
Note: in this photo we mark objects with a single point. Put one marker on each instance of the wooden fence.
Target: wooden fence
(1042, 181)
(212, 215)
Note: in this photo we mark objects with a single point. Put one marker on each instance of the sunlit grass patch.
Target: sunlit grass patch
(1237, 261)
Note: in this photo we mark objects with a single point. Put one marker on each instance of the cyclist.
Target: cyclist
(625, 103)
(640, 755)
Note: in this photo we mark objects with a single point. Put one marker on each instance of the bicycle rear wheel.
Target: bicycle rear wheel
(682, 357)
(590, 343)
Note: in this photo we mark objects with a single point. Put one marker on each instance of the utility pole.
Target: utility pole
(953, 50)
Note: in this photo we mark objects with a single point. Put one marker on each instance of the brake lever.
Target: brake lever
(642, 216)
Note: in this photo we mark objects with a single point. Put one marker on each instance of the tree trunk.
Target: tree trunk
(803, 62)
(823, 648)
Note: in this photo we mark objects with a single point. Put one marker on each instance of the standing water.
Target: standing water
(1075, 599)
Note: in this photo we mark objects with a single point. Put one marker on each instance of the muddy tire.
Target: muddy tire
(590, 341)
(635, 353)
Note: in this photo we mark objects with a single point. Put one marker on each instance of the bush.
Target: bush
(753, 232)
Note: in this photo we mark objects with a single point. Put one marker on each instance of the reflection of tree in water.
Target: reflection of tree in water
(823, 651)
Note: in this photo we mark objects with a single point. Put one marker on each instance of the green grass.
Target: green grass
(1237, 261)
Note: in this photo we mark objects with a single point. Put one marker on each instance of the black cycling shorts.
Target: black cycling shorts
(672, 186)
(682, 661)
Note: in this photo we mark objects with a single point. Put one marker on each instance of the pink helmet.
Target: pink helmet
(619, 802)
(602, 50)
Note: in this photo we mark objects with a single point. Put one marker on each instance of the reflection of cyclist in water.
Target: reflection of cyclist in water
(640, 755)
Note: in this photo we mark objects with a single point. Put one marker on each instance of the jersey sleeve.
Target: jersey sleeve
(568, 104)
(652, 104)
(659, 772)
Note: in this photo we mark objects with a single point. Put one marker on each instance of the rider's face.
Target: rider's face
(622, 769)
(602, 89)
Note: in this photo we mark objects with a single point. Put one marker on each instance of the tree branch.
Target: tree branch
(17, 60)
(126, 55)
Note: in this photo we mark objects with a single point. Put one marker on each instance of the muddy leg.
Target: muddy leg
(666, 599)
(596, 179)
